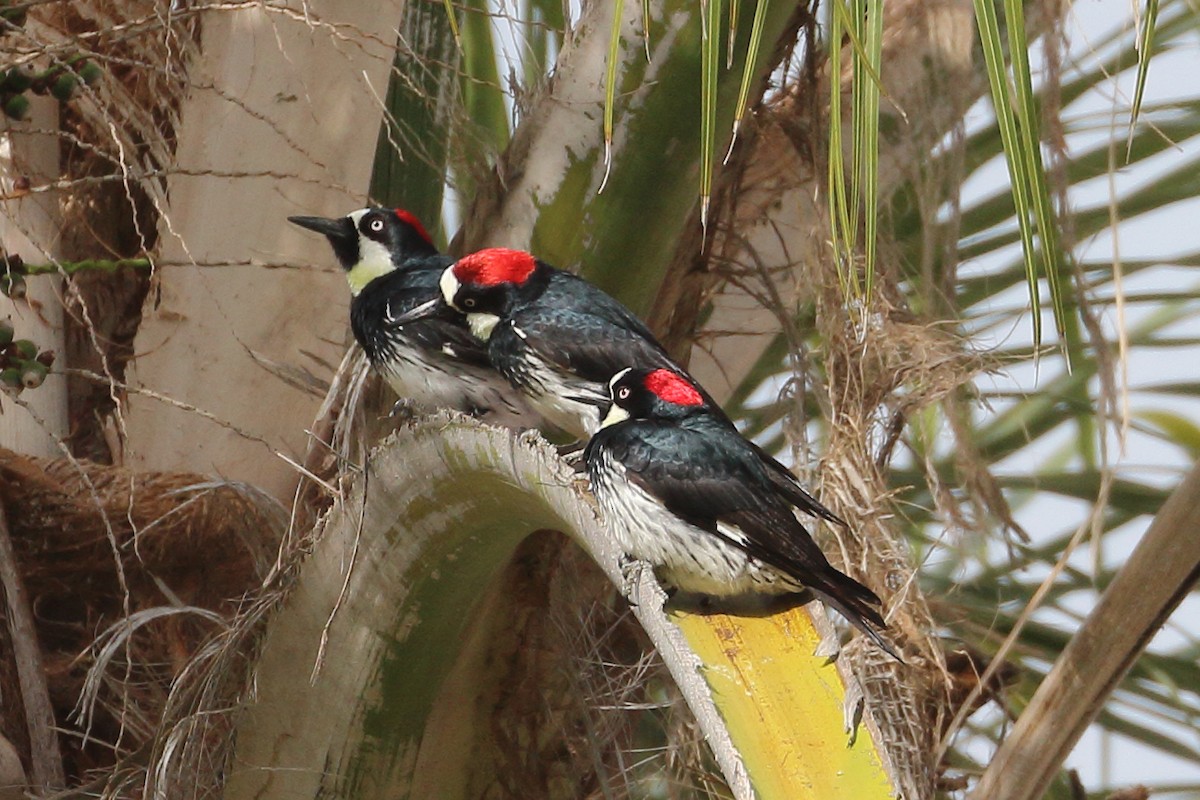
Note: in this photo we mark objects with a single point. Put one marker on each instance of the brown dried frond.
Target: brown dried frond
(982, 494)
(103, 548)
(966, 666)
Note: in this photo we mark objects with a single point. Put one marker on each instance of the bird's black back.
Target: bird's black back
(575, 326)
(443, 333)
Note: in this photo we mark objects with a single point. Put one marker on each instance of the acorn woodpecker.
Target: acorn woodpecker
(392, 266)
(555, 336)
(683, 491)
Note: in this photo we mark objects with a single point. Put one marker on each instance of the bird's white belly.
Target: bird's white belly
(421, 382)
(551, 392)
(452, 385)
(691, 559)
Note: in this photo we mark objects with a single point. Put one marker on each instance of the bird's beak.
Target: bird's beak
(342, 236)
(426, 309)
(340, 228)
(450, 286)
(615, 414)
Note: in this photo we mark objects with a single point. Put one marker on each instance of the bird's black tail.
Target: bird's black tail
(856, 603)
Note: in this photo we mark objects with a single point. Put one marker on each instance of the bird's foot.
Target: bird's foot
(632, 570)
(853, 706)
(570, 451)
(404, 410)
(830, 646)
(572, 454)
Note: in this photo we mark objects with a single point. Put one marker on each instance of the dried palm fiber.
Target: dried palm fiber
(888, 371)
(96, 544)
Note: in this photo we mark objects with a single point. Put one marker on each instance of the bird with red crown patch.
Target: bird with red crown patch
(393, 267)
(556, 337)
(684, 492)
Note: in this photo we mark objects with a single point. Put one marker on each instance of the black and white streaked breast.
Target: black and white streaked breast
(689, 558)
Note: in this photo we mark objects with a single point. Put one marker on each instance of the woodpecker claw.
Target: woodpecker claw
(852, 710)
(403, 409)
(830, 645)
(631, 572)
(573, 455)
(529, 436)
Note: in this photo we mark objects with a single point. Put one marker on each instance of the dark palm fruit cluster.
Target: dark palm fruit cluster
(22, 365)
(61, 81)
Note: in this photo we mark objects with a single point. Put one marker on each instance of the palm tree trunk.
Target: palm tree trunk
(284, 120)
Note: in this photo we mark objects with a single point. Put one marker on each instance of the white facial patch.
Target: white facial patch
(482, 325)
(449, 285)
(615, 414)
(374, 259)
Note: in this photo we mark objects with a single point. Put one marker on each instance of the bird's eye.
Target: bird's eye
(623, 393)
(469, 302)
(376, 225)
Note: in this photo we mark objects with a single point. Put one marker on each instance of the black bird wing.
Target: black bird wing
(711, 477)
(715, 480)
(574, 326)
(585, 344)
(783, 480)
(375, 315)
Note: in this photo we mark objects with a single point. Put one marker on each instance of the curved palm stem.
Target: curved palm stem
(371, 679)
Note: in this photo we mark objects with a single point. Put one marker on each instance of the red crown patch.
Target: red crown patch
(493, 266)
(407, 217)
(673, 388)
